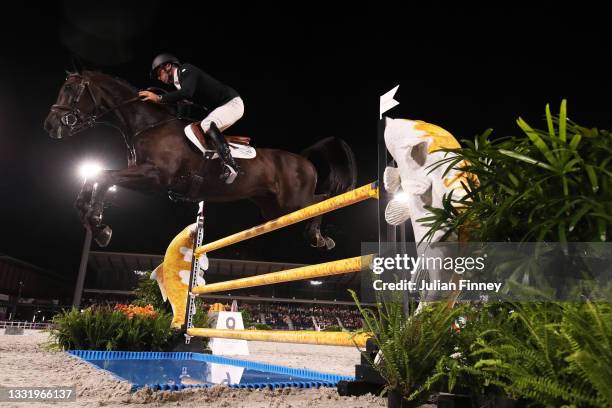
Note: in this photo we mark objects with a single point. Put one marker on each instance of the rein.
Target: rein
(78, 121)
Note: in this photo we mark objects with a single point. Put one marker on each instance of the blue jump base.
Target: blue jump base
(307, 378)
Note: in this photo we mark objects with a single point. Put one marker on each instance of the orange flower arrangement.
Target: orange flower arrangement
(217, 307)
(131, 311)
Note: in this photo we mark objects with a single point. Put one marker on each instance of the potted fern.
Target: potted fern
(410, 345)
(560, 356)
(547, 185)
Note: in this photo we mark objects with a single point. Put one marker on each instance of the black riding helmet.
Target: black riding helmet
(160, 60)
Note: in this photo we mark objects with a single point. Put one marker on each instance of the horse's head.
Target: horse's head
(76, 107)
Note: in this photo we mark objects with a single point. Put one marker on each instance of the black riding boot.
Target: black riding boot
(230, 167)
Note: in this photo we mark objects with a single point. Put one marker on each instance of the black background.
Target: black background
(304, 74)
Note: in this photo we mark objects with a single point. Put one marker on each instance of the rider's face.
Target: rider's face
(164, 74)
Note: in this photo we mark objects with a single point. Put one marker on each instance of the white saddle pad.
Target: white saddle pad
(238, 151)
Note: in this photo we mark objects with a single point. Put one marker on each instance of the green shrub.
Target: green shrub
(147, 293)
(102, 328)
(200, 318)
(261, 326)
(546, 185)
(559, 354)
(457, 370)
(247, 319)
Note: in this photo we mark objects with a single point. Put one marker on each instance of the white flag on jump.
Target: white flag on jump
(387, 102)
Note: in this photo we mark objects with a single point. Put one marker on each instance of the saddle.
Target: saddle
(199, 133)
(239, 145)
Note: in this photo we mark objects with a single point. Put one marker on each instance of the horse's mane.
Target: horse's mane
(125, 83)
(168, 110)
(121, 81)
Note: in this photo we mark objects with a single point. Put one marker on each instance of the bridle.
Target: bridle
(78, 121)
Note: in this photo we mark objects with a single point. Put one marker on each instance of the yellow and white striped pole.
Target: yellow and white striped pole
(331, 204)
(339, 267)
(282, 336)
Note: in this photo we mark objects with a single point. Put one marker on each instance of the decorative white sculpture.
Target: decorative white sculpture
(413, 145)
(415, 184)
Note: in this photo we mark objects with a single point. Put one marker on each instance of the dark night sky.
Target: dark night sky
(303, 75)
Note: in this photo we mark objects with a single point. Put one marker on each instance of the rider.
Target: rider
(197, 86)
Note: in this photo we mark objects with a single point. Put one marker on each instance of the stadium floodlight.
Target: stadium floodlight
(89, 169)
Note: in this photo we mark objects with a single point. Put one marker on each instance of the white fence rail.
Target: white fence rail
(25, 325)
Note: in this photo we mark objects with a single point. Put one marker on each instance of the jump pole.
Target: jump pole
(339, 267)
(282, 336)
(331, 204)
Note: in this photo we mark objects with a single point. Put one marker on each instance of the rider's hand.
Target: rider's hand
(149, 96)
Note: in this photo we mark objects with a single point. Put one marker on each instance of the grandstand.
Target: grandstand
(300, 305)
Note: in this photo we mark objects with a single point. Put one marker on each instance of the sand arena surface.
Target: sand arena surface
(25, 361)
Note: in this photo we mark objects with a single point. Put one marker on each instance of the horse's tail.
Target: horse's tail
(335, 164)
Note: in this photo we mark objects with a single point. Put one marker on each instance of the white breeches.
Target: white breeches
(225, 115)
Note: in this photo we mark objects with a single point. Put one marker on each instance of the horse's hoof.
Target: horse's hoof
(319, 242)
(103, 236)
(329, 243)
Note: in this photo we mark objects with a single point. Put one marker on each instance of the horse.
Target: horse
(161, 159)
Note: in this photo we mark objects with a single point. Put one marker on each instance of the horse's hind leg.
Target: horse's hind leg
(269, 207)
(296, 196)
(313, 228)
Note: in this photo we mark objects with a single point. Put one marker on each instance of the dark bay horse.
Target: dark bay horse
(160, 158)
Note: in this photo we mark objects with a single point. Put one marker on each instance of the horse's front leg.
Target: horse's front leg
(83, 200)
(141, 177)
